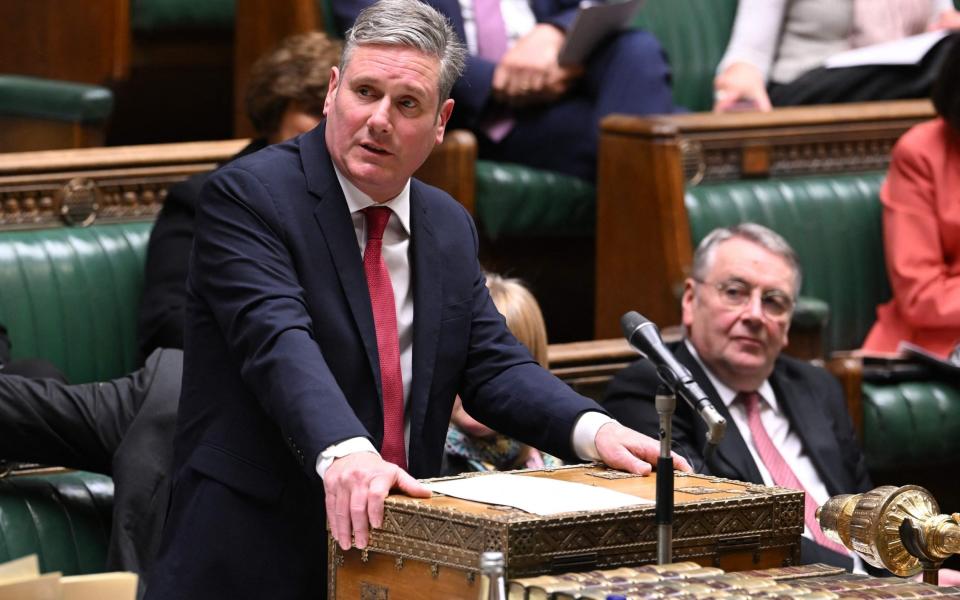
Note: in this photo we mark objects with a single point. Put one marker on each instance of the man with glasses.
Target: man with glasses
(789, 424)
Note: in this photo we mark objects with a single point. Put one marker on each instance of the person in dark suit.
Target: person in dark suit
(284, 98)
(122, 428)
(522, 104)
(336, 308)
(736, 314)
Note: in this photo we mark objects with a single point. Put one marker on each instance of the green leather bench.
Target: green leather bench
(40, 114)
(71, 296)
(64, 518)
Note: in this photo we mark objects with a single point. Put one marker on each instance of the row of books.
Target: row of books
(21, 579)
(690, 581)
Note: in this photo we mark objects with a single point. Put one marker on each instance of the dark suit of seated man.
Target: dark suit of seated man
(122, 428)
(335, 309)
(736, 313)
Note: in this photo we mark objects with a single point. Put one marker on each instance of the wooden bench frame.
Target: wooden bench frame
(75, 187)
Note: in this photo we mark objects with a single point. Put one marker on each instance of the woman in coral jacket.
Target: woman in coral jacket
(921, 228)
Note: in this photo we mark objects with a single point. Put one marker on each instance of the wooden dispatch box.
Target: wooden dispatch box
(430, 548)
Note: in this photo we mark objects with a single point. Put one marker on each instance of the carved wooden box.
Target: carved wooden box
(430, 548)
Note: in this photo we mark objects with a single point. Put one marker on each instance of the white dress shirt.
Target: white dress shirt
(396, 255)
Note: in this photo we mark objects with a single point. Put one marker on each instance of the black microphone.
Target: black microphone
(644, 337)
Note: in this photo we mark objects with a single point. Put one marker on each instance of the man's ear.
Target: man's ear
(331, 90)
(686, 302)
(443, 117)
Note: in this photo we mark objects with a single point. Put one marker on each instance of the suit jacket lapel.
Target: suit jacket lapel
(732, 456)
(427, 293)
(336, 226)
(800, 407)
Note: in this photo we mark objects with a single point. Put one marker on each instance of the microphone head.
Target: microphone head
(630, 321)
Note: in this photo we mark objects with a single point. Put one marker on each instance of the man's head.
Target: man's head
(388, 102)
(738, 302)
(287, 87)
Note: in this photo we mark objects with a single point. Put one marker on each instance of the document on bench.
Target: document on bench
(906, 51)
(593, 23)
(537, 495)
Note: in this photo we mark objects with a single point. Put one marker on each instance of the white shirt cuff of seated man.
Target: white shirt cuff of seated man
(584, 442)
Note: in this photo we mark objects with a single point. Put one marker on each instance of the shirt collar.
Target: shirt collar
(358, 201)
(726, 393)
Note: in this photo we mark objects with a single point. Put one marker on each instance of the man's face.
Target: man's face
(382, 118)
(740, 343)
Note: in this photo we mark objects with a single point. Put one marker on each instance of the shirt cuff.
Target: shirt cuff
(341, 449)
(585, 434)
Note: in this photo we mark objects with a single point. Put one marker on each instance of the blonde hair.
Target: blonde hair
(522, 313)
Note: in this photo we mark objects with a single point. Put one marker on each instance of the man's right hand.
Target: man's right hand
(355, 487)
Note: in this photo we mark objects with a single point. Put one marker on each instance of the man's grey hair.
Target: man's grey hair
(752, 232)
(409, 24)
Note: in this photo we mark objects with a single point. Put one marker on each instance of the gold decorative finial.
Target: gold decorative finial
(896, 528)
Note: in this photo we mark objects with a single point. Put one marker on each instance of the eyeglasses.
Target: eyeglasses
(735, 293)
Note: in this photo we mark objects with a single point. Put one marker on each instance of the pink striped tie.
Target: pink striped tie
(492, 45)
(388, 345)
(781, 472)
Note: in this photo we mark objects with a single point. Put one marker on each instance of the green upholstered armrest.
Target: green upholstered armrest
(149, 16)
(517, 200)
(911, 424)
(810, 313)
(71, 296)
(58, 100)
(832, 221)
(64, 518)
(694, 34)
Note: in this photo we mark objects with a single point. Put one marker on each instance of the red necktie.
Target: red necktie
(388, 345)
(781, 472)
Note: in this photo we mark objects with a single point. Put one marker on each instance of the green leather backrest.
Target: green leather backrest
(694, 34)
(834, 224)
(911, 423)
(150, 16)
(63, 518)
(71, 296)
(39, 98)
(517, 200)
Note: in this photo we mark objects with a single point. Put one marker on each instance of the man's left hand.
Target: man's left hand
(623, 448)
(529, 74)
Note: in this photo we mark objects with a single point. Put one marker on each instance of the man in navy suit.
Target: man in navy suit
(736, 315)
(284, 412)
(554, 111)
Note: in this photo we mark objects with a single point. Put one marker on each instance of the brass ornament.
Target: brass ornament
(897, 528)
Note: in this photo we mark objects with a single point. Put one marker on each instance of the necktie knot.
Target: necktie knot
(751, 402)
(377, 219)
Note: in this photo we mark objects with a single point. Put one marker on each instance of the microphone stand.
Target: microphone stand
(666, 404)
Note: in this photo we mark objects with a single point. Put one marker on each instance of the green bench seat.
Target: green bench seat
(63, 518)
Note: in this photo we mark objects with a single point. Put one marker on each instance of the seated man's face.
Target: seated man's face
(382, 117)
(738, 317)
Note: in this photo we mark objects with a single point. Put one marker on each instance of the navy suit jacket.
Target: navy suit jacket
(811, 398)
(281, 362)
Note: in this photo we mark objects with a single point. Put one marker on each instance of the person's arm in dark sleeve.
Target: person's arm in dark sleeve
(162, 305)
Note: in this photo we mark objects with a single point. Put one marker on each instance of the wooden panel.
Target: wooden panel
(85, 41)
(23, 134)
(259, 26)
(643, 236)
